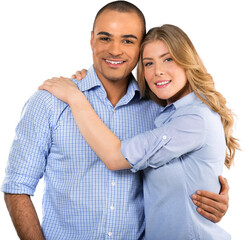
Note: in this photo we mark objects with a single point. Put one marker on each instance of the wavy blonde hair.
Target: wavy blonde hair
(201, 82)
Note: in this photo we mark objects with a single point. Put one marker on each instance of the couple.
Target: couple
(185, 152)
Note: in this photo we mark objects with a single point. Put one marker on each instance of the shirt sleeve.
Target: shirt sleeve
(181, 135)
(29, 150)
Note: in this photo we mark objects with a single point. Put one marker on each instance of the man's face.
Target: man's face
(115, 43)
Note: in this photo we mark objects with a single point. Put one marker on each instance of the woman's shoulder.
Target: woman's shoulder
(197, 108)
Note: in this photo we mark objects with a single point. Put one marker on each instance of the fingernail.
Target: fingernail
(194, 201)
(194, 196)
(199, 192)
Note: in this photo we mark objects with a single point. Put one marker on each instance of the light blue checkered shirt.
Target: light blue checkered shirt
(82, 198)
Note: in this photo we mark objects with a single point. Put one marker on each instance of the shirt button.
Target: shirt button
(111, 207)
(164, 137)
(110, 234)
(114, 110)
(113, 183)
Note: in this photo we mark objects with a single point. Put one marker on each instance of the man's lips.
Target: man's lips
(114, 62)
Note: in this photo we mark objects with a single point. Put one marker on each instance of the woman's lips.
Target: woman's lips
(161, 84)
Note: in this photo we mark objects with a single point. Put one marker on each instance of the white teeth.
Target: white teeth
(112, 62)
(162, 83)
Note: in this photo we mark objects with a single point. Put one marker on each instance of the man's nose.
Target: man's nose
(115, 49)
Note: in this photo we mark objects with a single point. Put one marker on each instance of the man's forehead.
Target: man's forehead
(118, 23)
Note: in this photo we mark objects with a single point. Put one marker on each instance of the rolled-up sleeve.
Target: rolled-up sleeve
(27, 158)
(181, 135)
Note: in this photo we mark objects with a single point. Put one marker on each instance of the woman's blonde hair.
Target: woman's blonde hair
(201, 82)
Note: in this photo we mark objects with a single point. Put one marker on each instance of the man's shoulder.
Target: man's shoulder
(43, 102)
(45, 98)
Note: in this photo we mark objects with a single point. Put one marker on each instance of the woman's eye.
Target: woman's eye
(148, 64)
(168, 59)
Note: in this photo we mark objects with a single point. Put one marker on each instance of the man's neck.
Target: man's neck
(115, 90)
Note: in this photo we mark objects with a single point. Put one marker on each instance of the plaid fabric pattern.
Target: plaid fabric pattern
(82, 198)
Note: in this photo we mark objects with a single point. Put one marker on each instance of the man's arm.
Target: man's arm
(24, 216)
(211, 205)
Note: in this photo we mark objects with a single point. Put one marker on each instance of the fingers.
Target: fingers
(83, 72)
(209, 216)
(224, 185)
(210, 209)
(79, 75)
(216, 201)
(211, 205)
(49, 83)
(206, 196)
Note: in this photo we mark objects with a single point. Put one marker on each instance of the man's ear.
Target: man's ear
(91, 42)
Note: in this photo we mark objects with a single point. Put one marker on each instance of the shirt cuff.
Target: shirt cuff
(19, 184)
(138, 150)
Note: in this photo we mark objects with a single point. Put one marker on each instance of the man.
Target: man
(82, 198)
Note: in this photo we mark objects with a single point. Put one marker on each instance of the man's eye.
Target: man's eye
(105, 39)
(127, 41)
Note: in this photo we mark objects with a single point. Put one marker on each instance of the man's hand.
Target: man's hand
(211, 205)
(79, 74)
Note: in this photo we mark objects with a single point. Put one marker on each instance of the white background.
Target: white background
(42, 39)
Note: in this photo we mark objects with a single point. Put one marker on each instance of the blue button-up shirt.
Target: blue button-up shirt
(185, 152)
(82, 198)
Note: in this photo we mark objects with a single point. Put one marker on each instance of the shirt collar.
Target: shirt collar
(186, 100)
(91, 81)
(189, 99)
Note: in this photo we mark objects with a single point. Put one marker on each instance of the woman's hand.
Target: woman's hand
(62, 88)
(79, 75)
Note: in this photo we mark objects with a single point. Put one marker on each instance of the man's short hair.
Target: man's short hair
(122, 6)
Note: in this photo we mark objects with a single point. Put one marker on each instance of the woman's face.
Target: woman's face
(164, 77)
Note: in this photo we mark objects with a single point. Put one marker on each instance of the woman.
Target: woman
(185, 151)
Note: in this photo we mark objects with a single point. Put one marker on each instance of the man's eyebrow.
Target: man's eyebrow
(129, 36)
(104, 33)
(123, 36)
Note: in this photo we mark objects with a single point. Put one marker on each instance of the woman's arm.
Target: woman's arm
(98, 136)
(107, 146)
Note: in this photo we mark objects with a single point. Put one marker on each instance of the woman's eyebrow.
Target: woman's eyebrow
(161, 56)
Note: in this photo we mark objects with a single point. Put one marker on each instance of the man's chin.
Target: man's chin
(116, 78)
